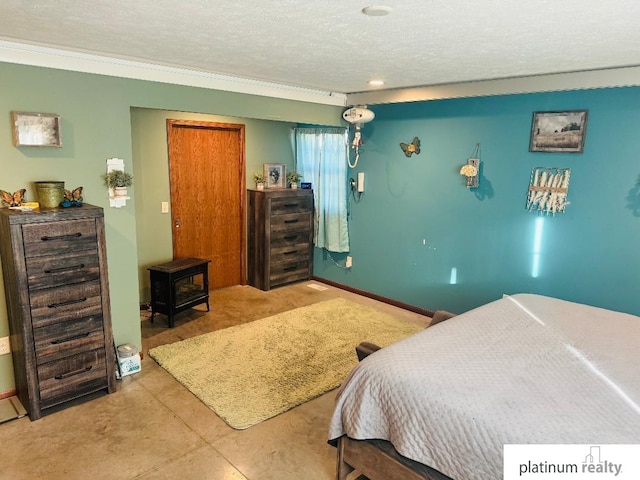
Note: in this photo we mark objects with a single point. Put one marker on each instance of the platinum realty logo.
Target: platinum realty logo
(593, 464)
(567, 462)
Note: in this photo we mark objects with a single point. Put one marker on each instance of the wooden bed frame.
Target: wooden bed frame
(377, 459)
(416, 395)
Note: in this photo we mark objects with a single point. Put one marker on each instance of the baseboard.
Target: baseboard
(7, 394)
(379, 298)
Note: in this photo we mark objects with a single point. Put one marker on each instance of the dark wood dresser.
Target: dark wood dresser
(55, 278)
(280, 236)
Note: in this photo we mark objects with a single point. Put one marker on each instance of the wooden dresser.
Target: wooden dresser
(280, 236)
(55, 277)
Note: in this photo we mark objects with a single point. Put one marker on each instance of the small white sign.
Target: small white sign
(569, 462)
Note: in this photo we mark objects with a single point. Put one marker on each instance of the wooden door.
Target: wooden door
(207, 171)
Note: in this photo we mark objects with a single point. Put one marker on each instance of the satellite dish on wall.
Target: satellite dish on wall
(358, 115)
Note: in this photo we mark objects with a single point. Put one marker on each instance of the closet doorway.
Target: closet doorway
(207, 183)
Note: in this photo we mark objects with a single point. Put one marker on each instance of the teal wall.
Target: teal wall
(96, 125)
(588, 254)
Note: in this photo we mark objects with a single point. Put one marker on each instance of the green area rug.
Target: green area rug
(254, 371)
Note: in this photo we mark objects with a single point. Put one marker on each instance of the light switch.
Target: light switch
(165, 207)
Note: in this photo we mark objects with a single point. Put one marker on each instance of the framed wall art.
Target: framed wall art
(32, 129)
(558, 132)
(275, 173)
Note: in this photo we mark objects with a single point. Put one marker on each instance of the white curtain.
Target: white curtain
(321, 158)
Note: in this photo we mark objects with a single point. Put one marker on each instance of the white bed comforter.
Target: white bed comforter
(523, 369)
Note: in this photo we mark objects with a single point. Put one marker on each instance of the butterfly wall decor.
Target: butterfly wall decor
(14, 200)
(72, 198)
(411, 148)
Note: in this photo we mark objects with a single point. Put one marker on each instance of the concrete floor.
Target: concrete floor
(153, 428)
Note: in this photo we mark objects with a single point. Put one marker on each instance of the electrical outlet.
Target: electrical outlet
(4, 346)
(348, 262)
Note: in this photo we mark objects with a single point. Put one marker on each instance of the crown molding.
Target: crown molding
(42, 56)
(606, 78)
(48, 57)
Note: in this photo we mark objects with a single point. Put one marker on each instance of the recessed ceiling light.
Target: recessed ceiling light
(377, 10)
(376, 83)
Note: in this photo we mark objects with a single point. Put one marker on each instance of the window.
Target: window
(321, 158)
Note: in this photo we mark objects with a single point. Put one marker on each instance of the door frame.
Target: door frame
(242, 180)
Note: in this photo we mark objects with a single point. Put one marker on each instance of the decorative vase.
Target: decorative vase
(260, 186)
(120, 191)
(50, 193)
(294, 185)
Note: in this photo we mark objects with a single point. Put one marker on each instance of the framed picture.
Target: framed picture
(36, 129)
(275, 173)
(562, 132)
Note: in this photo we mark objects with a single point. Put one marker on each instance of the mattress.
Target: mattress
(523, 369)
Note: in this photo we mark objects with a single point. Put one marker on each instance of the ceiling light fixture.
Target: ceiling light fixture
(376, 83)
(377, 10)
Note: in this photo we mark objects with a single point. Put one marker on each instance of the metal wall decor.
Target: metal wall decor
(411, 148)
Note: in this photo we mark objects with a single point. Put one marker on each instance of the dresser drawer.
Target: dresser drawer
(49, 271)
(289, 253)
(64, 339)
(290, 222)
(287, 239)
(70, 302)
(72, 377)
(291, 205)
(53, 238)
(287, 272)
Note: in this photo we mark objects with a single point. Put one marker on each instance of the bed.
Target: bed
(525, 369)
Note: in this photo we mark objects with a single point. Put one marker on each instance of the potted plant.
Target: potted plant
(119, 180)
(260, 180)
(293, 178)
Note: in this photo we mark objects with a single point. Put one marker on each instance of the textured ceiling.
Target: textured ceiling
(330, 45)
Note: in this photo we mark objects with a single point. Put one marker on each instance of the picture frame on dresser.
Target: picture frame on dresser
(275, 173)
